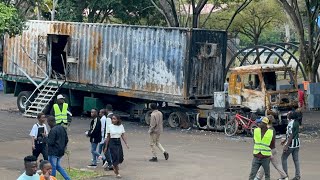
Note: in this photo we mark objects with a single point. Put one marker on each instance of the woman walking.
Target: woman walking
(115, 132)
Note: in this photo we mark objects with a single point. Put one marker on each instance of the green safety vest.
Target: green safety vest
(61, 116)
(262, 145)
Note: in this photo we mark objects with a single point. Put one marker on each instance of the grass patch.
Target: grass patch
(77, 174)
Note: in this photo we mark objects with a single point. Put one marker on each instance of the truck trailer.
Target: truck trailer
(123, 65)
(131, 66)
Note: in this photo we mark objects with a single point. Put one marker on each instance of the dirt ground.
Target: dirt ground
(194, 154)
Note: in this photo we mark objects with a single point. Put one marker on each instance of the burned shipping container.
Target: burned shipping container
(177, 65)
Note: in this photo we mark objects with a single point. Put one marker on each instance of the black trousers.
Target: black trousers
(41, 149)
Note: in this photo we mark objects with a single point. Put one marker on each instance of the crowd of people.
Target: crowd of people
(264, 150)
(105, 134)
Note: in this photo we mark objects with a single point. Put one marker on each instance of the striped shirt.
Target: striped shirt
(293, 128)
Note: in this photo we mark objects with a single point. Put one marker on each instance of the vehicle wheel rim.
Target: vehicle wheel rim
(174, 120)
(22, 102)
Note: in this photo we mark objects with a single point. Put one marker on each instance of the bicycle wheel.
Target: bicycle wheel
(231, 127)
(252, 127)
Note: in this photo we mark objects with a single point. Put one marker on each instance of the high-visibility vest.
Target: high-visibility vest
(262, 145)
(61, 116)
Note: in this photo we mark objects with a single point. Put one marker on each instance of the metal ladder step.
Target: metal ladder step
(46, 94)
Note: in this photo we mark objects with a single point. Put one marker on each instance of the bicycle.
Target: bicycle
(238, 124)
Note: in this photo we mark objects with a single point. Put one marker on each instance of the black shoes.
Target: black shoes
(166, 155)
(154, 159)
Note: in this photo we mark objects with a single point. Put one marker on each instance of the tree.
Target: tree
(256, 18)
(10, 21)
(304, 19)
(171, 10)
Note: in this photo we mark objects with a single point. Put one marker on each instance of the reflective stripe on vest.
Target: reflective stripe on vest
(262, 145)
(61, 116)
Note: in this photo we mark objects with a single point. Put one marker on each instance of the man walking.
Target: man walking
(264, 141)
(107, 163)
(30, 166)
(291, 145)
(95, 137)
(61, 112)
(57, 143)
(274, 158)
(103, 120)
(39, 135)
(156, 128)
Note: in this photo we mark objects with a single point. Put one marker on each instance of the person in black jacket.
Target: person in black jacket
(57, 143)
(95, 137)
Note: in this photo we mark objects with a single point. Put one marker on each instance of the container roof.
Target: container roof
(260, 67)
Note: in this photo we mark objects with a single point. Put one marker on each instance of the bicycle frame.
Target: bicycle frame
(244, 121)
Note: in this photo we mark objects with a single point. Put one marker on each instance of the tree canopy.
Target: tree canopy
(10, 20)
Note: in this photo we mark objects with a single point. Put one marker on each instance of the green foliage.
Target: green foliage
(139, 12)
(10, 20)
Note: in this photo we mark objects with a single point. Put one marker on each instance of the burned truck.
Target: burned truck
(254, 90)
(126, 66)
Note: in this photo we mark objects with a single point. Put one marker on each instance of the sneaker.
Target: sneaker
(154, 159)
(105, 164)
(118, 176)
(92, 166)
(166, 155)
(296, 178)
(110, 167)
(286, 178)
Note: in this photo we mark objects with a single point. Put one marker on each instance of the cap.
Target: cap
(265, 120)
(259, 120)
(60, 96)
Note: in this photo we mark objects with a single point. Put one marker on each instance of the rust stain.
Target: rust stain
(61, 28)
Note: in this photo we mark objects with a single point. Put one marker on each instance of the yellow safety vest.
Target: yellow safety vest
(61, 116)
(262, 145)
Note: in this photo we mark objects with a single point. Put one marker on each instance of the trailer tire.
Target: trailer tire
(177, 119)
(147, 117)
(21, 99)
(231, 127)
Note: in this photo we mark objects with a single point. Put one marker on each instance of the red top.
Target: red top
(301, 95)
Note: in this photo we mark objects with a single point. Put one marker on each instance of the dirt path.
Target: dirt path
(196, 155)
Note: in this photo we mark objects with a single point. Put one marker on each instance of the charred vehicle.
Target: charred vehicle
(254, 90)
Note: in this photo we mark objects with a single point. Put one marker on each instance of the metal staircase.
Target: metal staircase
(44, 97)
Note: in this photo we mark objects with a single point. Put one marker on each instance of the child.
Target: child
(46, 169)
(39, 135)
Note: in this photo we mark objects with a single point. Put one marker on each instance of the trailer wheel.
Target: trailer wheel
(22, 99)
(231, 127)
(147, 117)
(176, 118)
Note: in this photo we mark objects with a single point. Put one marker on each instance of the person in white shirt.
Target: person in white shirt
(30, 165)
(103, 120)
(107, 162)
(39, 133)
(115, 132)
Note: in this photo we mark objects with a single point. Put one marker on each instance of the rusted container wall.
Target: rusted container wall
(156, 60)
(207, 74)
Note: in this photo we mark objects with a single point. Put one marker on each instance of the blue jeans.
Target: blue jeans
(100, 148)
(55, 163)
(94, 153)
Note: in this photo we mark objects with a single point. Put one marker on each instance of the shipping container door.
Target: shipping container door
(42, 54)
(207, 62)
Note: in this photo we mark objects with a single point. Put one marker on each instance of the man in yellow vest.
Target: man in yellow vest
(264, 141)
(61, 112)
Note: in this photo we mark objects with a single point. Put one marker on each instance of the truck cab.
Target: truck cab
(265, 89)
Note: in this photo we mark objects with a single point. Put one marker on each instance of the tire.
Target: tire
(147, 117)
(21, 99)
(231, 127)
(176, 118)
(252, 127)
